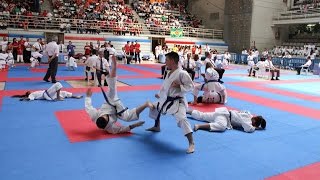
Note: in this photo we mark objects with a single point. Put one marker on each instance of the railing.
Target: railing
(297, 14)
(36, 22)
(283, 63)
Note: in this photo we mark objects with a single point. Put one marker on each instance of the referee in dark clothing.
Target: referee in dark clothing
(52, 50)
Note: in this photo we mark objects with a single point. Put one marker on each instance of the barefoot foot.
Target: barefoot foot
(190, 149)
(154, 129)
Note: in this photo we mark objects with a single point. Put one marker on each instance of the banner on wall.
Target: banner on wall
(176, 32)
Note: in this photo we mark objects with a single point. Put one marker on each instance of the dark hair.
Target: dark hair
(174, 56)
(206, 54)
(101, 122)
(260, 121)
(22, 96)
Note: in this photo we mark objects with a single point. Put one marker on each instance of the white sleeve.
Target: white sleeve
(201, 116)
(93, 112)
(247, 127)
(117, 129)
(186, 82)
(31, 97)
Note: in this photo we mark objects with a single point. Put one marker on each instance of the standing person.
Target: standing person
(102, 68)
(15, 46)
(172, 98)
(137, 52)
(28, 48)
(37, 50)
(126, 50)
(21, 49)
(52, 50)
(70, 49)
(113, 109)
(90, 62)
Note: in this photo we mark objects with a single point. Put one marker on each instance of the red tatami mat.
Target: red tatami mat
(310, 172)
(78, 127)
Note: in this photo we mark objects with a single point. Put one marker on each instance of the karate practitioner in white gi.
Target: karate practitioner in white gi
(214, 91)
(172, 98)
(52, 94)
(71, 63)
(106, 117)
(222, 119)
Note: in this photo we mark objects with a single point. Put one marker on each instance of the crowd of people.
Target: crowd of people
(110, 15)
(165, 15)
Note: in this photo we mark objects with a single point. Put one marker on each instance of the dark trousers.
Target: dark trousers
(250, 71)
(99, 74)
(192, 72)
(26, 56)
(275, 71)
(220, 72)
(52, 70)
(298, 69)
(163, 69)
(137, 57)
(15, 54)
(92, 74)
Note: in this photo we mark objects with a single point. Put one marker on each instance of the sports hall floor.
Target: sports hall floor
(56, 140)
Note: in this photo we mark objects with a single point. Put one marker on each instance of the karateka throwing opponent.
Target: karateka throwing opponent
(172, 98)
(106, 117)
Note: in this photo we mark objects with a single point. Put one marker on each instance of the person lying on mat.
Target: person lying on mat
(106, 117)
(52, 94)
(222, 119)
(214, 91)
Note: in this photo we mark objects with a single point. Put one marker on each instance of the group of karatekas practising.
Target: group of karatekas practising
(171, 99)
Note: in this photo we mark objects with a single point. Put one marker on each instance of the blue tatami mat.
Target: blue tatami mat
(32, 85)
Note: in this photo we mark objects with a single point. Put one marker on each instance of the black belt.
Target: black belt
(115, 107)
(46, 92)
(168, 100)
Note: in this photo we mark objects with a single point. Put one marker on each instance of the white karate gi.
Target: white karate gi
(71, 62)
(3, 62)
(128, 115)
(179, 106)
(10, 60)
(34, 62)
(49, 94)
(214, 92)
(219, 120)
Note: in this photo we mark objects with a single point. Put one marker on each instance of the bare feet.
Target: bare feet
(150, 105)
(154, 129)
(190, 149)
(140, 123)
(195, 128)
